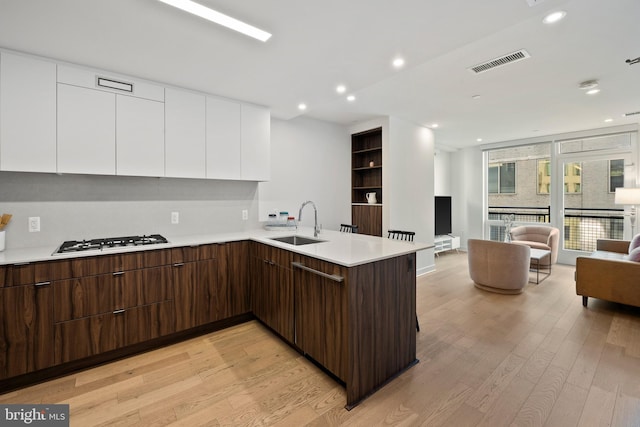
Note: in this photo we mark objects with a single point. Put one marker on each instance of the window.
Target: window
(616, 174)
(544, 176)
(502, 178)
(573, 178)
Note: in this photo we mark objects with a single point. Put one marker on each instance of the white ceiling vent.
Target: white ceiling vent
(499, 62)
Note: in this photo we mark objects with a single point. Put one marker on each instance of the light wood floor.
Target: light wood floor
(535, 359)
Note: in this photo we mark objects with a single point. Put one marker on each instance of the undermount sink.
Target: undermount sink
(296, 240)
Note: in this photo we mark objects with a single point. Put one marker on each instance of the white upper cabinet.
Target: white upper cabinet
(57, 117)
(109, 124)
(27, 114)
(86, 131)
(223, 139)
(139, 137)
(256, 143)
(185, 117)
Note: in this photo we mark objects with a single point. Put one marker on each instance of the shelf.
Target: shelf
(367, 150)
(367, 168)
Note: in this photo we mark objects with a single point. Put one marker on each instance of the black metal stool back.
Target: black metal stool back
(348, 228)
(401, 235)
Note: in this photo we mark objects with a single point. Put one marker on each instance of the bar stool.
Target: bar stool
(348, 228)
(406, 236)
(401, 235)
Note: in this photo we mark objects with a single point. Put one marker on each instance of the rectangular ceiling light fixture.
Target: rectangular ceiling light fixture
(219, 18)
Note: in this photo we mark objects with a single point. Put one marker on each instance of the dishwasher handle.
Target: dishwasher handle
(333, 277)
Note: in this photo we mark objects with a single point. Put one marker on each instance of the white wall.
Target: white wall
(441, 173)
(76, 207)
(411, 149)
(310, 160)
(467, 194)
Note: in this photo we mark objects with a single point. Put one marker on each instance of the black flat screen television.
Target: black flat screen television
(442, 215)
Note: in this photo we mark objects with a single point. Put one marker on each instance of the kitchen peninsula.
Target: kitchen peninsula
(347, 302)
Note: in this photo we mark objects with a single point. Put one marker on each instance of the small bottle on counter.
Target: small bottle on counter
(291, 221)
(283, 217)
(273, 219)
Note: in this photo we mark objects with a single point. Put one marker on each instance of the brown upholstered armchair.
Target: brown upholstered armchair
(538, 237)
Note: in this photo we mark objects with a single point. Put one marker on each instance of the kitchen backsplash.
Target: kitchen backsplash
(87, 206)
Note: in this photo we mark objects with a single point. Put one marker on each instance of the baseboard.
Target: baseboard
(425, 270)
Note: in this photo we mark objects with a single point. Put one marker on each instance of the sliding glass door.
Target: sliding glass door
(588, 211)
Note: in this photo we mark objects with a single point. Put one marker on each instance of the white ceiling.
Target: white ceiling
(318, 44)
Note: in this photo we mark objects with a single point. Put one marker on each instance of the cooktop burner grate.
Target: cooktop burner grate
(109, 242)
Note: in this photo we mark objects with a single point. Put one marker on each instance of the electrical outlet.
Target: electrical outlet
(34, 224)
(175, 217)
(245, 214)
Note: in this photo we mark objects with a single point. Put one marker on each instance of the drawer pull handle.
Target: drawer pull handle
(333, 277)
(42, 284)
(118, 273)
(179, 264)
(21, 264)
(119, 311)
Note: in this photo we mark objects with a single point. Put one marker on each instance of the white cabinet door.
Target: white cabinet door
(223, 139)
(86, 131)
(27, 114)
(139, 137)
(256, 141)
(184, 134)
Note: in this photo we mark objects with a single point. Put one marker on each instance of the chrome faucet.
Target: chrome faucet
(316, 228)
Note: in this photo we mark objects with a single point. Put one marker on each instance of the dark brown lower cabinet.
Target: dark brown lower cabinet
(368, 218)
(233, 279)
(26, 332)
(272, 290)
(321, 312)
(100, 313)
(195, 285)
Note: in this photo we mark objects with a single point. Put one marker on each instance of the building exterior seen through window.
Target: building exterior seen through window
(520, 182)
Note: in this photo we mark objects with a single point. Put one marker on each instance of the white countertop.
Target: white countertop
(340, 248)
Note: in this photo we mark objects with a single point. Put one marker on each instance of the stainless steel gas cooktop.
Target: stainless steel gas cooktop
(109, 242)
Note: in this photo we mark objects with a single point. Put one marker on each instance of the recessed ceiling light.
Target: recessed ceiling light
(479, 139)
(302, 106)
(351, 98)
(592, 91)
(554, 17)
(608, 120)
(219, 18)
(435, 125)
(475, 97)
(341, 88)
(588, 84)
(398, 63)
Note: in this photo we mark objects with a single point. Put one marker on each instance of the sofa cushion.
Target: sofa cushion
(609, 255)
(635, 243)
(532, 244)
(634, 255)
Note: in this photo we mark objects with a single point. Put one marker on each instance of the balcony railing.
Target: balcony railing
(582, 226)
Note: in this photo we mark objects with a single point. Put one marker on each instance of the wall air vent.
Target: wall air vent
(499, 62)
(635, 113)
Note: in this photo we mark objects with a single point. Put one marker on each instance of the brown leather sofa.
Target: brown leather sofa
(607, 275)
(497, 266)
(538, 237)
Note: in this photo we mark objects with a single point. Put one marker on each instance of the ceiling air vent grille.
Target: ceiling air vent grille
(635, 113)
(499, 62)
